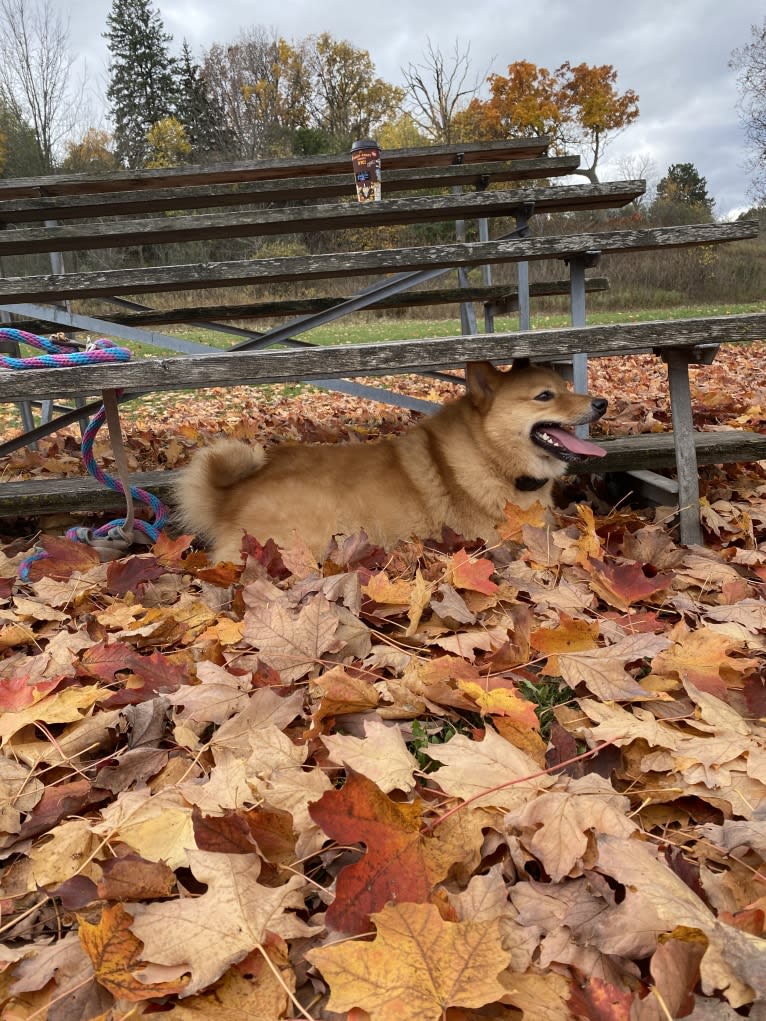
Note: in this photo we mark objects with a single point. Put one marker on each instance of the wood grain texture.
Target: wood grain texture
(295, 189)
(281, 366)
(301, 219)
(301, 268)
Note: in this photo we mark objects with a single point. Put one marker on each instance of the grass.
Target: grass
(366, 329)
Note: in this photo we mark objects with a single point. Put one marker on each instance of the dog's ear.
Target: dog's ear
(482, 380)
(520, 363)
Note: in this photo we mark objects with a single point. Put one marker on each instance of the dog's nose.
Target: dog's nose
(599, 404)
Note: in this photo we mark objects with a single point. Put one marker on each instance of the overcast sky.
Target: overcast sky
(673, 53)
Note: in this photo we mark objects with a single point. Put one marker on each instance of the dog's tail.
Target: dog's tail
(201, 489)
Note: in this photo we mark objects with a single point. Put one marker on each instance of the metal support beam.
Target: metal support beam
(678, 361)
(579, 369)
(486, 278)
(522, 218)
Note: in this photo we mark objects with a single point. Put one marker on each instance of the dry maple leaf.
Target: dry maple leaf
(473, 769)
(381, 755)
(400, 864)
(417, 966)
(603, 672)
(471, 573)
(706, 659)
(556, 824)
(293, 643)
(208, 934)
(516, 518)
(116, 956)
(657, 901)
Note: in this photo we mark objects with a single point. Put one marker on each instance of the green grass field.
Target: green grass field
(368, 328)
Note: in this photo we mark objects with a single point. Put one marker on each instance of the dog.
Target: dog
(505, 440)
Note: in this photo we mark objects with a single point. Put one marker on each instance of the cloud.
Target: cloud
(674, 55)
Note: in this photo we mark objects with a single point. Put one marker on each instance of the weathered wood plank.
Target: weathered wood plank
(280, 366)
(328, 186)
(299, 268)
(294, 219)
(652, 450)
(307, 306)
(264, 170)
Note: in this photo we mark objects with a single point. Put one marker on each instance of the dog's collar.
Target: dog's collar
(527, 484)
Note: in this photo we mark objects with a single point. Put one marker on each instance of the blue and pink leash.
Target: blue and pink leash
(114, 538)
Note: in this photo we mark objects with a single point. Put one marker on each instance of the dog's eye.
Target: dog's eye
(545, 395)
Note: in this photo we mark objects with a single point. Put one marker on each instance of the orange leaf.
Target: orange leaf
(116, 954)
(516, 517)
(467, 573)
(621, 585)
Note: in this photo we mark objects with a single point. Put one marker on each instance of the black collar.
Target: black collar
(527, 484)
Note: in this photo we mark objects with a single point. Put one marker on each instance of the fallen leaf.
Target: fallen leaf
(417, 966)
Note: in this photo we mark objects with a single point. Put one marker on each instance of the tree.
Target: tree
(168, 144)
(436, 90)
(347, 100)
(19, 152)
(92, 154)
(35, 74)
(682, 196)
(684, 185)
(400, 133)
(750, 64)
(579, 107)
(260, 86)
(142, 88)
(196, 111)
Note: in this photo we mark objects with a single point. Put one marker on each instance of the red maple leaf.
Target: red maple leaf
(399, 865)
(472, 574)
(63, 557)
(132, 574)
(18, 692)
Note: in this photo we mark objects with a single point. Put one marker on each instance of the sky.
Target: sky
(674, 53)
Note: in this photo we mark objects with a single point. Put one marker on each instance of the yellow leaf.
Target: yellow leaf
(417, 966)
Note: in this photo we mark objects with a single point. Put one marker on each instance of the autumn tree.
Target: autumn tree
(259, 85)
(92, 153)
(347, 99)
(437, 88)
(749, 62)
(579, 107)
(401, 133)
(142, 76)
(36, 83)
(167, 144)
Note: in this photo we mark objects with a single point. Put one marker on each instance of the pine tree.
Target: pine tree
(143, 76)
(197, 111)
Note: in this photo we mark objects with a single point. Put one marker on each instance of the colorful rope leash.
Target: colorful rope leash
(114, 538)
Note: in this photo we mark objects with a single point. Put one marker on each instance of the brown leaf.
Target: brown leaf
(209, 933)
(293, 642)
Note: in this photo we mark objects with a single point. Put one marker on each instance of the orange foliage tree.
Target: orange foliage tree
(579, 107)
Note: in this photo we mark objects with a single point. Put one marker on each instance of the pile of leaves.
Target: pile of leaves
(448, 781)
(519, 782)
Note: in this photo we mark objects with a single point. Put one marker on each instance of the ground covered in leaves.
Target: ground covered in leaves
(444, 782)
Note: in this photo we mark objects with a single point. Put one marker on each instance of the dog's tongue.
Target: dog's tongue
(578, 446)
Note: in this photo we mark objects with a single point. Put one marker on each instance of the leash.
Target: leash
(115, 538)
